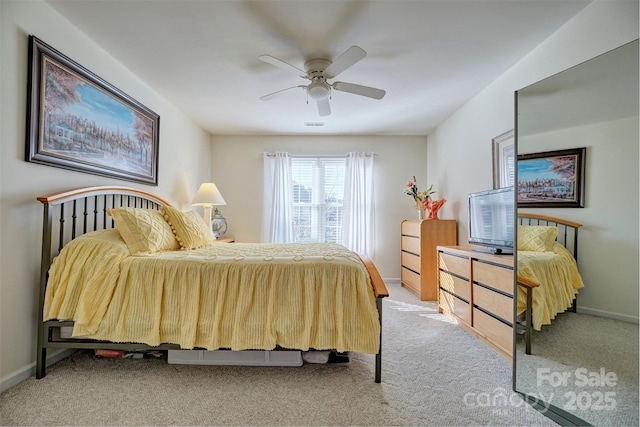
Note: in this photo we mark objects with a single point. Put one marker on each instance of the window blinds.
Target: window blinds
(318, 194)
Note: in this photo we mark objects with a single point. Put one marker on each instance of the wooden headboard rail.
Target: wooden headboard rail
(65, 196)
(567, 230)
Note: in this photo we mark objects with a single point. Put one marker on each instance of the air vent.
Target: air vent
(314, 124)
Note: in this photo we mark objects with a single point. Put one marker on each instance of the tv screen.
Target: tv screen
(491, 220)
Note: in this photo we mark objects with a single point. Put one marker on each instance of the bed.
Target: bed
(548, 277)
(118, 290)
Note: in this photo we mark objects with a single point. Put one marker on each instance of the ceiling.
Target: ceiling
(429, 56)
(601, 89)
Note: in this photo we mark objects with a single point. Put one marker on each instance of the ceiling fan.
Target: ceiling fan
(319, 71)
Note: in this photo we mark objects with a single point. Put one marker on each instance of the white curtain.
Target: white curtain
(277, 226)
(358, 211)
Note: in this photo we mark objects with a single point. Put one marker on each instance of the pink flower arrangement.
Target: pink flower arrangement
(419, 196)
(423, 199)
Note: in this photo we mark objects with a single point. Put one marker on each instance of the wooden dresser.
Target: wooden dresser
(418, 256)
(477, 289)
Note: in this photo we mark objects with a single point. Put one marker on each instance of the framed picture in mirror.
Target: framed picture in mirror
(503, 160)
(552, 179)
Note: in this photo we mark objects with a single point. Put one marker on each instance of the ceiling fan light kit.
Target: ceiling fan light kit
(318, 71)
(318, 90)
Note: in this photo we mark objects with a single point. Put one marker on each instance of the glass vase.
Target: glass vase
(421, 211)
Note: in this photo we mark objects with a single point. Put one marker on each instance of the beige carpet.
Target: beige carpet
(433, 373)
(569, 359)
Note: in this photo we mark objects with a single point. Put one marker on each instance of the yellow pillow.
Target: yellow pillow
(536, 238)
(189, 228)
(143, 230)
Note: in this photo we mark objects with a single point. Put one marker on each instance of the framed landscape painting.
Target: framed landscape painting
(78, 121)
(552, 179)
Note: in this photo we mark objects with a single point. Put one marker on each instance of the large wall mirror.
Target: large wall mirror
(583, 365)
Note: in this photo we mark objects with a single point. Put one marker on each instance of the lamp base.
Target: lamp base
(218, 224)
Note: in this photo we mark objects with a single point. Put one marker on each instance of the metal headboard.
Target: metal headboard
(70, 214)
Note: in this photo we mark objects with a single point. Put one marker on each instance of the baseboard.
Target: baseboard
(22, 374)
(391, 281)
(607, 314)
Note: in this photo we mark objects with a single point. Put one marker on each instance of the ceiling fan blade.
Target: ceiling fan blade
(281, 64)
(344, 61)
(367, 91)
(278, 93)
(324, 108)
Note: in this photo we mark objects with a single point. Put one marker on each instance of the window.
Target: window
(318, 192)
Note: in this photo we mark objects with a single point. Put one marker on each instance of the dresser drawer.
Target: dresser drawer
(455, 285)
(497, 277)
(410, 279)
(452, 305)
(411, 244)
(494, 302)
(410, 261)
(495, 331)
(411, 228)
(454, 264)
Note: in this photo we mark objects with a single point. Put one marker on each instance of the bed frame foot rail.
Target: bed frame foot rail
(378, 378)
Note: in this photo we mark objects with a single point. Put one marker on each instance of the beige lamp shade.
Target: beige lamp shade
(208, 195)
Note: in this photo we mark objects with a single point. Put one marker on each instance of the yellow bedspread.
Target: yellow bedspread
(559, 279)
(237, 296)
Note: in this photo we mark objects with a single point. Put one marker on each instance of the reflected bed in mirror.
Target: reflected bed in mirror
(583, 366)
(548, 275)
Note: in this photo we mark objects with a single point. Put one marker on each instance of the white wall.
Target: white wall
(459, 150)
(237, 171)
(183, 145)
(609, 235)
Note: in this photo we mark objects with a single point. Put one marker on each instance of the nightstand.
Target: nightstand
(226, 240)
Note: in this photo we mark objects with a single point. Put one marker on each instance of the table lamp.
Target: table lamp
(208, 196)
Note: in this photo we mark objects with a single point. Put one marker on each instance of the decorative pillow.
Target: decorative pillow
(536, 238)
(143, 230)
(189, 228)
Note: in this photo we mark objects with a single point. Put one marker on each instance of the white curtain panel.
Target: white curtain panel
(277, 226)
(358, 211)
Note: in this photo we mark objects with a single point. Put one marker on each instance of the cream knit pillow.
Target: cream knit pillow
(537, 238)
(143, 230)
(189, 228)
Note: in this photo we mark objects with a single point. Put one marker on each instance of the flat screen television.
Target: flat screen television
(491, 220)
